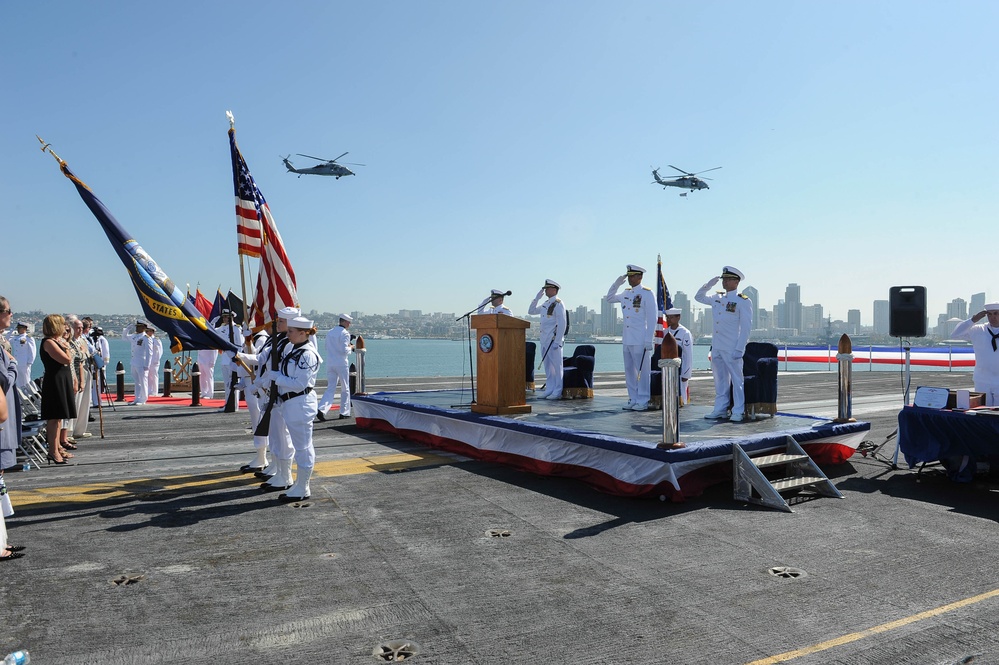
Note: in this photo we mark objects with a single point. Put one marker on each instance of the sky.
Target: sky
(505, 143)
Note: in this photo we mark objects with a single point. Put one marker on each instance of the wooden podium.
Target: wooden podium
(502, 363)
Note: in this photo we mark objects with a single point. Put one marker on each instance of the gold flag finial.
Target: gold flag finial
(46, 148)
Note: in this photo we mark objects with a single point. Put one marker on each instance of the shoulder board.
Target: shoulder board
(744, 296)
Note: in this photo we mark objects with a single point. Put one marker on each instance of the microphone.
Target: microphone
(508, 293)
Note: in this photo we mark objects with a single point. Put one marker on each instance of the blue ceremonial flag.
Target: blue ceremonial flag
(217, 307)
(165, 305)
(663, 302)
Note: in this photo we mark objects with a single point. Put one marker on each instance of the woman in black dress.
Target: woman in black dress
(58, 385)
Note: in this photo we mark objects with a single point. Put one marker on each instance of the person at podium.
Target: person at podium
(552, 335)
(984, 337)
(494, 304)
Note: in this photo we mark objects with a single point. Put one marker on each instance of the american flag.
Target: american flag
(663, 301)
(258, 237)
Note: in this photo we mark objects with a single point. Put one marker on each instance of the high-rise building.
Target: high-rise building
(754, 296)
(811, 320)
(957, 309)
(853, 320)
(977, 303)
(792, 306)
(608, 318)
(682, 302)
(882, 317)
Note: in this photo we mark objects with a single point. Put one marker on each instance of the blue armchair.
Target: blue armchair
(577, 373)
(532, 349)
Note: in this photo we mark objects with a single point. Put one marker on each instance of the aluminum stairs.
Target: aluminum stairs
(749, 483)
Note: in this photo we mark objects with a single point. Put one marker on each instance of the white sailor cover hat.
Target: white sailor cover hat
(635, 270)
(300, 322)
(553, 283)
(497, 292)
(729, 271)
(225, 311)
(674, 311)
(21, 324)
(289, 313)
(346, 317)
(991, 307)
(140, 322)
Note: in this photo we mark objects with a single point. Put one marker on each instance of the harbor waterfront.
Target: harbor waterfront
(394, 358)
(151, 548)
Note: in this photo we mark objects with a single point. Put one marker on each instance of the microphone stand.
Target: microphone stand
(468, 321)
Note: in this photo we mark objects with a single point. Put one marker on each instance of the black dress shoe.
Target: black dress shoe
(321, 416)
(284, 498)
(91, 419)
(343, 417)
(261, 474)
(246, 468)
(274, 488)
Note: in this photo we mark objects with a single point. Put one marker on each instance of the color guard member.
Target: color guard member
(24, 351)
(684, 343)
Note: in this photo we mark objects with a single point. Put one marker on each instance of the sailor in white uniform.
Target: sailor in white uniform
(102, 356)
(296, 382)
(141, 359)
(156, 349)
(551, 336)
(24, 351)
(984, 338)
(684, 343)
(639, 311)
(494, 304)
(228, 330)
(732, 320)
(338, 349)
(254, 345)
(277, 473)
(206, 370)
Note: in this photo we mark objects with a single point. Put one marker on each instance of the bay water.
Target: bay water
(397, 358)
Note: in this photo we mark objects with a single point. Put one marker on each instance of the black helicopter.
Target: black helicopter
(329, 167)
(686, 181)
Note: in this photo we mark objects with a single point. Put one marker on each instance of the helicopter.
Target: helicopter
(687, 181)
(328, 167)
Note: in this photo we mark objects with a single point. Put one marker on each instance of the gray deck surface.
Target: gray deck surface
(396, 544)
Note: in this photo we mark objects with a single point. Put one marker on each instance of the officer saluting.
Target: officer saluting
(494, 304)
(552, 335)
(638, 309)
(732, 319)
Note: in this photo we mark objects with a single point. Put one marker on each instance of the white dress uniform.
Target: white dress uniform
(24, 352)
(82, 420)
(206, 367)
(278, 438)
(153, 375)
(296, 382)
(732, 320)
(102, 356)
(226, 358)
(640, 313)
(685, 343)
(141, 359)
(254, 404)
(985, 340)
(551, 339)
(486, 308)
(338, 348)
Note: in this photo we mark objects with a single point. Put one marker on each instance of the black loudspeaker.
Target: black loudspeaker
(907, 315)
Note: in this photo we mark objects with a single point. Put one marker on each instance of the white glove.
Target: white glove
(541, 294)
(649, 347)
(620, 280)
(711, 282)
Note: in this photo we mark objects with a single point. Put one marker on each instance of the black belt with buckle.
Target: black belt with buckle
(287, 396)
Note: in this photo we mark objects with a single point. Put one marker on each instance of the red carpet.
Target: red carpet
(185, 400)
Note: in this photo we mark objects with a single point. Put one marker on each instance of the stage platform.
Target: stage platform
(596, 441)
